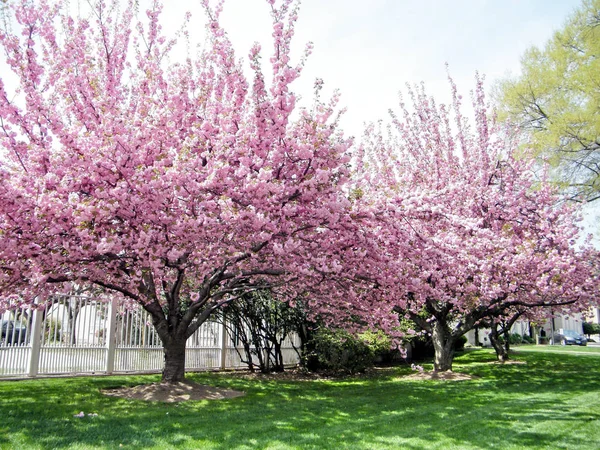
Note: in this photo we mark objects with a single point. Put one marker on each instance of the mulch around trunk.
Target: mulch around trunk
(187, 390)
(440, 376)
(172, 392)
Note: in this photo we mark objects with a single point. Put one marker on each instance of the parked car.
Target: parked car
(569, 337)
(13, 333)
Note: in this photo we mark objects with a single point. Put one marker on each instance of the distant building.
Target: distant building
(593, 315)
(524, 328)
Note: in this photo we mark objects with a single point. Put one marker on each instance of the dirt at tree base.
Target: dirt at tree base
(442, 376)
(187, 390)
(172, 392)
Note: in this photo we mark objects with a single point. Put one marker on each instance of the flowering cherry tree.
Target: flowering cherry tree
(500, 327)
(468, 230)
(180, 186)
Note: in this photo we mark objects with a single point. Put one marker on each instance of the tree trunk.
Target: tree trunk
(174, 370)
(500, 347)
(73, 316)
(249, 357)
(507, 339)
(443, 344)
(279, 366)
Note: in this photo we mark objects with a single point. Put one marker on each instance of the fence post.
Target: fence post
(36, 342)
(111, 338)
(223, 345)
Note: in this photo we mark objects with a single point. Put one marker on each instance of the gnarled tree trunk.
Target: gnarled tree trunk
(500, 347)
(501, 327)
(174, 370)
(443, 344)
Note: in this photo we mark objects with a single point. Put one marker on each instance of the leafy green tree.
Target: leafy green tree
(591, 328)
(557, 99)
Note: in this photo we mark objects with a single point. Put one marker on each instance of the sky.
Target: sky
(369, 50)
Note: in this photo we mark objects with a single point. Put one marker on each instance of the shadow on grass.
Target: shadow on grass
(533, 405)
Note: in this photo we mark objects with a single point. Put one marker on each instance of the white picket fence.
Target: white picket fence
(81, 335)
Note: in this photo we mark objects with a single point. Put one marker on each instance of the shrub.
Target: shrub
(527, 339)
(340, 352)
(459, 345)
(422, 348)
(515, 339)
(53, 333)
(381, 344)
(591, 328)
(378, 341)
(259, 323)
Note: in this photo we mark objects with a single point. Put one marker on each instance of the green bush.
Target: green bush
(53, 331)
(377, 340)
(515, 339)
(527, 339)
(381, 344)
(340, 352)
(422, 348)
(591, 328)
(459, 345)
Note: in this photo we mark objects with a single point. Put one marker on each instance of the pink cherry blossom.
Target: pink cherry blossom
(468, 229)
(178, 186)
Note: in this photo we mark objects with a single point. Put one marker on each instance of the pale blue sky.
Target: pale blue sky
(371, 49)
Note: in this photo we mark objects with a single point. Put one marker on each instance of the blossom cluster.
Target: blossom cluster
(182, 186)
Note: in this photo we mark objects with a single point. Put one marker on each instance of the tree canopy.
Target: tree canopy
(184, 186)
(470, 232)
(557, 100)
(181, 186)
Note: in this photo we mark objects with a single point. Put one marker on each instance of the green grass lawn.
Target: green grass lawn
(550, 402)
(558, 349)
